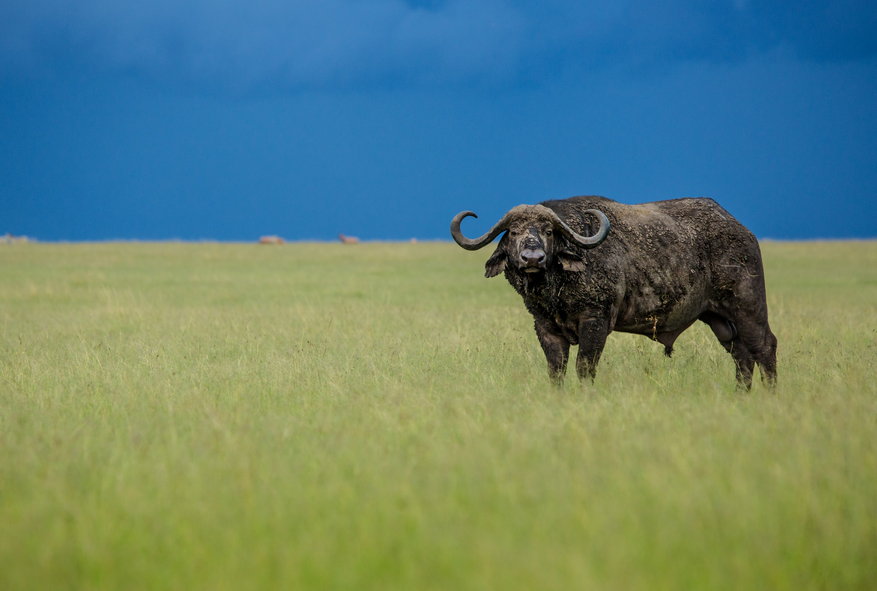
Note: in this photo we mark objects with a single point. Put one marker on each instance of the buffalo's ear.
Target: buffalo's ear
(571, 261)
(496, 263)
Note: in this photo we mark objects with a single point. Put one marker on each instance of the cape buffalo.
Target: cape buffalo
(586, 266)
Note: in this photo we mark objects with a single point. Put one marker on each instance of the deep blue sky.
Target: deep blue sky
(225, 119)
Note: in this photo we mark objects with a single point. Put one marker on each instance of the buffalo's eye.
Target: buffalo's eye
(513, 233)
(548, 232)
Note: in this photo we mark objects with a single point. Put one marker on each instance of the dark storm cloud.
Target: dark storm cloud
(229, 43)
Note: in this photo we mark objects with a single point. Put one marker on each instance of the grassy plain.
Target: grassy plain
(233, 416)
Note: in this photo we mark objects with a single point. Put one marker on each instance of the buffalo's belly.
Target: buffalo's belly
(662, 308)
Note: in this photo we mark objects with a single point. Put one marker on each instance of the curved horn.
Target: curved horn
(477, 243)
(584, 241)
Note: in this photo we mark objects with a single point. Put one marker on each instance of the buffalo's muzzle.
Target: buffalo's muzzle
(532, 260)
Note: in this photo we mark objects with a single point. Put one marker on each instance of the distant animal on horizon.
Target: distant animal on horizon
(348, 239)
(11, 239)
(587, 266)
(271, 240)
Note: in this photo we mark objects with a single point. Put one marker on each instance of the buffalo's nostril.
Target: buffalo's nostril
(532, 257)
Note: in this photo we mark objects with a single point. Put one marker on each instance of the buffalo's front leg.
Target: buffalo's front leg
(556, 349)
(592, 338)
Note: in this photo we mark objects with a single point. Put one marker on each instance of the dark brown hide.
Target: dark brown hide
(662, 266)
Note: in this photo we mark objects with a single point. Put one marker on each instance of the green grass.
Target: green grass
(229, 416)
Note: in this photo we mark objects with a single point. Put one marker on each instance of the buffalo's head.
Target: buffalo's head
(534, 238)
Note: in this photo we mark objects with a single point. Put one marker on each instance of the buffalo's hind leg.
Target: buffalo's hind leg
(767, 360)
(744, 363)
(748, 342)
(728, 335)
(760, 346)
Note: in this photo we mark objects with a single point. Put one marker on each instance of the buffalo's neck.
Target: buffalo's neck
(565, 298)
(545, 293)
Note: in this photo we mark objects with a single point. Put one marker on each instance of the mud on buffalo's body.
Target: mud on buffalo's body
(587, 266)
